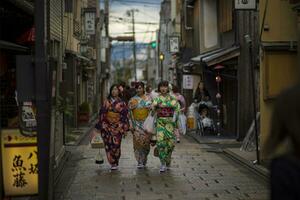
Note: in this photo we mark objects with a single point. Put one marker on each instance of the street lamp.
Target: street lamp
(161, 58)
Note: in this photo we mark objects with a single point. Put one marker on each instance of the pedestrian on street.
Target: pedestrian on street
(166, 109)
(201, 93)
(182, 104)
(124, 90)
(113, 123)
(285, 165)
(139, 106)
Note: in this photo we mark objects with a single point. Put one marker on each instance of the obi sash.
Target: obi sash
(113, 117)
(140, 114)
(165, 112)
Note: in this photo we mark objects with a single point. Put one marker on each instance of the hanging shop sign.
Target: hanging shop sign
(19, 163)
(90, 23)
(245, 4)
(174, 44)
(188, 82)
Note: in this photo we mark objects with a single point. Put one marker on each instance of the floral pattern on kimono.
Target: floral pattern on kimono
(166, 109)
(139, 109)
(113, 123)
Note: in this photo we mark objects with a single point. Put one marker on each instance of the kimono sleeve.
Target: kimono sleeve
(124, 117)
(102, 112)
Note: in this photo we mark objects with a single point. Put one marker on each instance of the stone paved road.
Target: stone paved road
(195, 174)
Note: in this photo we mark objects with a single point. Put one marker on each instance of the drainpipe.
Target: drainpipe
(297, 8)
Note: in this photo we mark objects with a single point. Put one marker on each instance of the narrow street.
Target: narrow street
(195, 174)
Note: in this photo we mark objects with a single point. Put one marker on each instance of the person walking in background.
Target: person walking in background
(139, 106)
(166, 109)
(201, 93)
(285, 165)
(125, 93)
(150, 92)
(182, 104)
(113, 123)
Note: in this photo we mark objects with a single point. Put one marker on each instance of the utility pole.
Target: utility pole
(107, 48)
(131, 13)
(123, 55)
(42, 98)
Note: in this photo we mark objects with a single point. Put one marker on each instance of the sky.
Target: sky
(147, 12)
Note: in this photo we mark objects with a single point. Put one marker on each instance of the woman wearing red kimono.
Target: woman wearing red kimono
(113, 124)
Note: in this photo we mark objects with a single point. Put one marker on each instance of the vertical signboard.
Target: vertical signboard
(188, 82)
(90, 23)
(174, 44)
(19, 163)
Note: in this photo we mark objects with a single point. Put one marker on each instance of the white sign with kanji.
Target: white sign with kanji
(90, 23)
(245, 4)
(174, 44)
(188, 82)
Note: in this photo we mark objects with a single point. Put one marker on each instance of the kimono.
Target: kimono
(112, 124)
(139, 110)
(182, 104)
(166, 110)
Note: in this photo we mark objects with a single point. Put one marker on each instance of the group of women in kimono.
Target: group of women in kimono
(116, 118)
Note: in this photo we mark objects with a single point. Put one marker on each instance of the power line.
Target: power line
(143, 23)
(138, 2)
(135, 32)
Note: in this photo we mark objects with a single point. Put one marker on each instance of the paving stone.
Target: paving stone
(195, 174)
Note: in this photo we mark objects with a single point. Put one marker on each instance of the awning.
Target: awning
(12, 46)
(217, 56)
(76, 54)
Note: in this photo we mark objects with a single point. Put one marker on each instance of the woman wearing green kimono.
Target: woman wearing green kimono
(166, 109)
(139, 107)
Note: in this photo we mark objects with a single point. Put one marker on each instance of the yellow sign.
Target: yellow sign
(191, 123)
(19, 161)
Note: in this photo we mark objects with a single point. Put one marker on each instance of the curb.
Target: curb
(83, 135)
(203, 140)
(257, 169)
(197, 138)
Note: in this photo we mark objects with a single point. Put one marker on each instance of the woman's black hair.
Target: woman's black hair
(111, 89)
(163, 83)
(175, 89)
(138, 84)
(148, 88)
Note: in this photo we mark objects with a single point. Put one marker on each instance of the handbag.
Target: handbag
(96, 141)
(149, 124)
(182, 122)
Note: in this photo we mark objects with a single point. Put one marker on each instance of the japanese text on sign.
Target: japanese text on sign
(90, 23)
(188, 82)
(20, 163)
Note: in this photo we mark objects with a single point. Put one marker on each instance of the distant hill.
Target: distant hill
(119, 51)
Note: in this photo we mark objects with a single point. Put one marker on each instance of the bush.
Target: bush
(84, 107)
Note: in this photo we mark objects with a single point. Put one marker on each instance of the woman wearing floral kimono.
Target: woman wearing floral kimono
(113, 124)
(166, 108)
(139, 106)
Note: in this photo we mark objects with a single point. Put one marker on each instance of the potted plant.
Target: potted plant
(84, 113)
